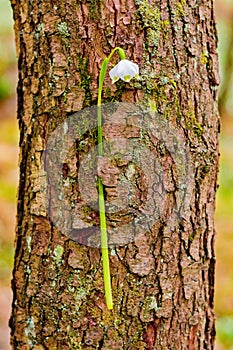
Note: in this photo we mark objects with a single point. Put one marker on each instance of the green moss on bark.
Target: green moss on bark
(85, 78)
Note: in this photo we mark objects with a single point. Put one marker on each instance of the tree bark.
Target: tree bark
(163, 279)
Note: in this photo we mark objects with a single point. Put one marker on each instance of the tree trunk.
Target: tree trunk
(163, 271)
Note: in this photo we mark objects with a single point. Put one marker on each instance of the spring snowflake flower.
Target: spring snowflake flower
(124, 70)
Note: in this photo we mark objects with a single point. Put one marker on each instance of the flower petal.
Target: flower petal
(126, 67)
(125, 70)
(113, 73)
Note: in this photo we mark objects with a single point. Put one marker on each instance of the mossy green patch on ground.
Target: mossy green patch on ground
(224, 241)
(7, 190)
(6, 261)
(225, 332)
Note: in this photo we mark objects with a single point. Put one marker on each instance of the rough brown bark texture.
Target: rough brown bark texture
(163, 282)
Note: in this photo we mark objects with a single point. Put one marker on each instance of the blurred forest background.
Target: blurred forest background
(9, 173)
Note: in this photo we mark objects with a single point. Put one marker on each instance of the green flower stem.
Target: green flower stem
(103, 226)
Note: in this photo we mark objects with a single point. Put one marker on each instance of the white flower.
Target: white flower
(125, 70)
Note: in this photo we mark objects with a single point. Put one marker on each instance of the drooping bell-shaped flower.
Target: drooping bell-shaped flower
(124, 70)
